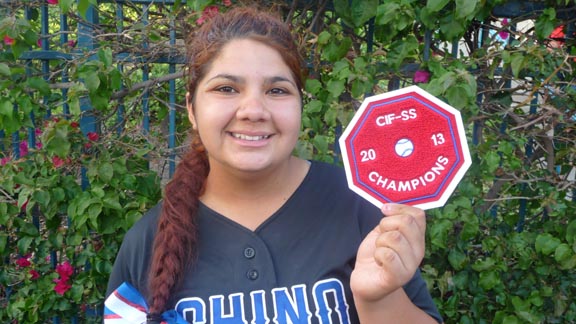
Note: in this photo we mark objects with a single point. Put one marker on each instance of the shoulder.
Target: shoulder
(145, 228)
(328, 185)
(329, 173)
(134, 255)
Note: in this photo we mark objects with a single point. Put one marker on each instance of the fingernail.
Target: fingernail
(387, 207)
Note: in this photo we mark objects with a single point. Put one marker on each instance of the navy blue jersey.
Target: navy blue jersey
(294, 268)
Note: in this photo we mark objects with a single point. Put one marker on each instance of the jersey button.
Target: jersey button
(249, 252)
(252, 274)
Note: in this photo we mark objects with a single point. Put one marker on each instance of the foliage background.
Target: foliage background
(73, 180)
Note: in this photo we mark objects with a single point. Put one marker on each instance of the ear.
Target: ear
(190, 109)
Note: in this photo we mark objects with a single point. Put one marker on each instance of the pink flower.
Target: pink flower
(71, 43)
(24, 205)
(23, 148)
(208, 13)
(504, 34)
(34, 274)
(62, 286)
(23, 262)
(39, 42)
(227, 3)
(421, 76)
(65, 270)
(74, 124)
(4, 161)
(52, 2)
(8, 40)
(57, 162)
(93, 136)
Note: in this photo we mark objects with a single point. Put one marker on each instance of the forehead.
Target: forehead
(248, 56)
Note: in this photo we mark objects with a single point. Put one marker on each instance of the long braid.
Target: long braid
(176, 237)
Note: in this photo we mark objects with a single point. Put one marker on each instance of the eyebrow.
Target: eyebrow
(234, 78)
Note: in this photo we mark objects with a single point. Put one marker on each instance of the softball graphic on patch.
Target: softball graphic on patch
(405, 146)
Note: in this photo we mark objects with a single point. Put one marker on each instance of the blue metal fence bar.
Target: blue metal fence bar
(145, 77)
(121, 114)
(172, 107)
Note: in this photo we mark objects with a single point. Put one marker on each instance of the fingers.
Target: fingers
(400, 244)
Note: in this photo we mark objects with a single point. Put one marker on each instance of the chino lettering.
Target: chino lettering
(323, 311)
(192, 309)
(291, 310)
(291, 306)
(258, 307)
(236, 315)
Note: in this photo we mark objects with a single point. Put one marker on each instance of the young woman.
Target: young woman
(248, 233)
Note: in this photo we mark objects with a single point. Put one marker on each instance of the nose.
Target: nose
(252, 107)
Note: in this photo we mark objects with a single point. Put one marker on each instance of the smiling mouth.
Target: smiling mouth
(250, 138)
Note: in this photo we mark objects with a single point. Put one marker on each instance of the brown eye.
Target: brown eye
(226, 89)
(277, 91)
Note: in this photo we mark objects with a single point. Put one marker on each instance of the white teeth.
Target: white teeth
(250, 138)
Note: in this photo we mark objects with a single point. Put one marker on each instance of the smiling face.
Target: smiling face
(247, 108)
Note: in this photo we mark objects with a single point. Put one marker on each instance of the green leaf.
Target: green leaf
(545, 23)
(321, 143)
(314, 106)
(563, 252)
(105, 171)
(324, 37)
(3, 242)
(517, 63)
(24, 243)
(457, 259)
(105, 56)
(5, 69)
(42, 197)
(6, 108)
(489, 280)
(465, 8)
(482, 265)
(92, 81)
(39, 84)
(336, 87)
(436, 5)
(439, 232)
(457, 97)
(571, 232)
(546, 243)
(342, 9)
(313, 86)
(65, 5)
(362, 11)
(112, 202)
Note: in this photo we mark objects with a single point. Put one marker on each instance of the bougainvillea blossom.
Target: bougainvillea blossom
(62, 286)
(23, 262)
(34, 274)
(23, 146)
(65, 270)
(8, 40)
(52, 2)
(421, 76)
(93, 136)
(57, 162)
(208, 13)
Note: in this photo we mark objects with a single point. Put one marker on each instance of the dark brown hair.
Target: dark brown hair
(175, 245)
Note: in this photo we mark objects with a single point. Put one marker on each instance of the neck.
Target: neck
(250, 198)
